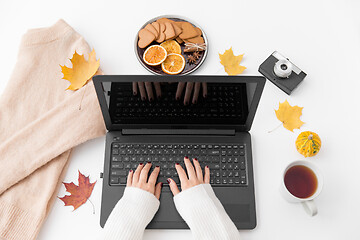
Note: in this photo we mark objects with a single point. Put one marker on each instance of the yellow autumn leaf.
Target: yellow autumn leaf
(81, 71)
(231, 62)
(289, 116)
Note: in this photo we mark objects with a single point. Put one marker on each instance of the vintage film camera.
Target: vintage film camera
(283, 73)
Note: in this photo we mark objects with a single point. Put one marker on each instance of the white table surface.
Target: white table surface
(320, 37)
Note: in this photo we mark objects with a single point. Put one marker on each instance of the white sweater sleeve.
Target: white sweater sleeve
(131, 215)
(204, 214)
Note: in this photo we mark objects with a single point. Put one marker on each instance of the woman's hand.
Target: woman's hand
(190, 87)
(139, 179)
(146, 89)
(194, 177)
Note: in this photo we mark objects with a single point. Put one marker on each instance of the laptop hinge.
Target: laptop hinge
(145, 131)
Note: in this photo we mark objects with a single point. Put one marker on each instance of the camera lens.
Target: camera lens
(283, 68)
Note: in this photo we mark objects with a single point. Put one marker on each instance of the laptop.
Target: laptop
(215, 130)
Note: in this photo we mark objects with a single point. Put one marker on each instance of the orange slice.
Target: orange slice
(173, 64)
(171, 46)
(154, 55)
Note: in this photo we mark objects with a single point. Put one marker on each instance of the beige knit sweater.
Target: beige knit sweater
(40, 123)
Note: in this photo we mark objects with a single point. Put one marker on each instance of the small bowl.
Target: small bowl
(189, 68)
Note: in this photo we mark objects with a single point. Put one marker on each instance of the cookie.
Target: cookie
(198, 30)
(151, 28)
(198, 40)
(162, 35)
(156, 26)
(163, 20)
(169, 31)
(177, 29)
(178, 24)
(188, 31)
(145, 38)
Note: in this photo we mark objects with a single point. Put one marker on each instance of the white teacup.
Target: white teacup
(298, 184)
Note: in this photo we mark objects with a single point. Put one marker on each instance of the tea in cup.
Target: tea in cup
(301, 183)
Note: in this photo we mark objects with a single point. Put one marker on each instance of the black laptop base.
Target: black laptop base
(220, 115)
(238, 199)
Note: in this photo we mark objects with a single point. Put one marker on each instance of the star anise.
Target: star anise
(196, 55)
(191, 59)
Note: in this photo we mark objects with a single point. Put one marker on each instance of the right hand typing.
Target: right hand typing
(198, 205)
(194, 177)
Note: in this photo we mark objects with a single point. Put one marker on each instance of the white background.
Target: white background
(320, 37)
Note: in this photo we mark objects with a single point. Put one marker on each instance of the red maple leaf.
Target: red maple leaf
(79, 194)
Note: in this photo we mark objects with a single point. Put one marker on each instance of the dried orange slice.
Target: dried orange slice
(171, 46)
(173, 64)
(154, 55)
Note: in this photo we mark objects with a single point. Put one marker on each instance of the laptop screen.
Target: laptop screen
(178, 103)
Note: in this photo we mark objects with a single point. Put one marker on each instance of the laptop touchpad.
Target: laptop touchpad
(238, 212)
(167, 211)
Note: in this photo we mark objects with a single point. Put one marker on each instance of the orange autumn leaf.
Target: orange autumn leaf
(231, 62)
(79, 194)
(289, 115)
(81, 71)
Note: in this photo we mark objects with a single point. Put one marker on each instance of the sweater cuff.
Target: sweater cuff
(209, 190)
(131, 214)
(204, 214)
(194, 205)
(199, 212)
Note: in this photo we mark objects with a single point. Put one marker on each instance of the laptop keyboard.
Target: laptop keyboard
(226, 161)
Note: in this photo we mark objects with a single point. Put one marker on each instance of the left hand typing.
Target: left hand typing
(139, 179)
